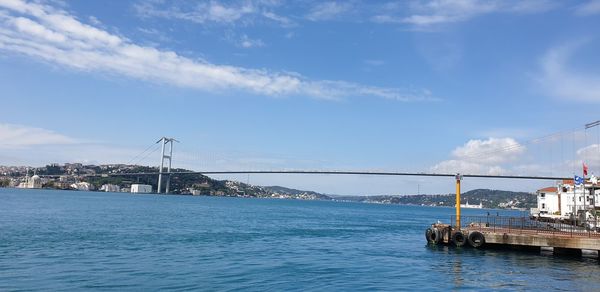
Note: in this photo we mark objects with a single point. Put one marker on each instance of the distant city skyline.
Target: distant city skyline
(435, 86)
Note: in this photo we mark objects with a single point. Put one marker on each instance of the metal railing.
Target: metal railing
(525, 225)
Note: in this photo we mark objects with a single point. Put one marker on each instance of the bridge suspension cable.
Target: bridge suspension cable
(133, 159)
(522, 144)
(342, 173)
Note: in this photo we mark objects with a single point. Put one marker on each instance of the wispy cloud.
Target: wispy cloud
(214, 12)
(590, 155)
(328, 10)
(203, 12)
(282, 20)
(436, 12)
(557, 79)
(19, 136)
(588, 8)
(246, 42)
(52, 35)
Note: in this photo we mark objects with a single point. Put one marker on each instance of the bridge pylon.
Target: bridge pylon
(164, 141)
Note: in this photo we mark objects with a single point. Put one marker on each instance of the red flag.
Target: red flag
(585, 169)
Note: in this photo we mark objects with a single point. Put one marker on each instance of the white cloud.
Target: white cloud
(481, 157)
(284, 21)
(95, 21)
(213, 12)
(588, 8)
(457, 166)
(434, 12)
(19, 136)
(557, 79)
(54, 36)
(590, 154)
(246, 42)
(532, 6)
(328, 10)
(203, 12)
(437, 12)
(490, 151)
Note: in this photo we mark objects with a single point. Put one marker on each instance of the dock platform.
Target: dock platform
(519, 233)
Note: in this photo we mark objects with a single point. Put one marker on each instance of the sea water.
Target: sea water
(68, 240)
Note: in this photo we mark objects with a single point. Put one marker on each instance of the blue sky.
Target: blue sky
(434, 86)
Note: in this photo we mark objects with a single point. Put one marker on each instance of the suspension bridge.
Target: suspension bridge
(166, 155)
(165, 144)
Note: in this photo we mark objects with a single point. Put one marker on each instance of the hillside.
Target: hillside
(62, 176)
(488, 198)
(295, 192)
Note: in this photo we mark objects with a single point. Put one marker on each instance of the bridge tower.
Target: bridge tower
(164, 141)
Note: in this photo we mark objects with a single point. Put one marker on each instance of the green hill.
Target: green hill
(488, 198)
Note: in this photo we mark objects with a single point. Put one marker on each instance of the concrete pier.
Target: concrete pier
(540, 240)
(522, 234)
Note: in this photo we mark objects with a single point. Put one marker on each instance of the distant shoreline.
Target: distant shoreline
(272, 198)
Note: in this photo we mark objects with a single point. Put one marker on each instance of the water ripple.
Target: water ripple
(53, 240)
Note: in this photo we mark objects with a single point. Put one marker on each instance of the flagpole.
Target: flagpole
(575, 200)
(583, 171)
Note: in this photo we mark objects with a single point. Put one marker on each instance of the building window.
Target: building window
(542, 195)
(543, 206)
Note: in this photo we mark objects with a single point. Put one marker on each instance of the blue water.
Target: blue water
(56, 240)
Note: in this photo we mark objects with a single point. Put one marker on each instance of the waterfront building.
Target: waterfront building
(110, 188)
(141, 189)
(34, 182)
(548, 202)
(82, 186)
(467, 205)
(566, 200)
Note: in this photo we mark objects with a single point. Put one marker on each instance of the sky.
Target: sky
(444, 86)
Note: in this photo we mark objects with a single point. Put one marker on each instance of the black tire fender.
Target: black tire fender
(459, 239)
(476, 239)
(433, 235)
(428, 234)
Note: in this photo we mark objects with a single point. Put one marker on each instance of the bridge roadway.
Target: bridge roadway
(340, 173)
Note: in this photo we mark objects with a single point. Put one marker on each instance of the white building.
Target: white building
(548, 202)
(469, 206)
(141, 189)
(566, 200)
(34, 182)
(110, 188)
(82, 186)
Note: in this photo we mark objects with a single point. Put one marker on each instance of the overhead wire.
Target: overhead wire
(518, 145)
(146, 156)
(140, 154)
